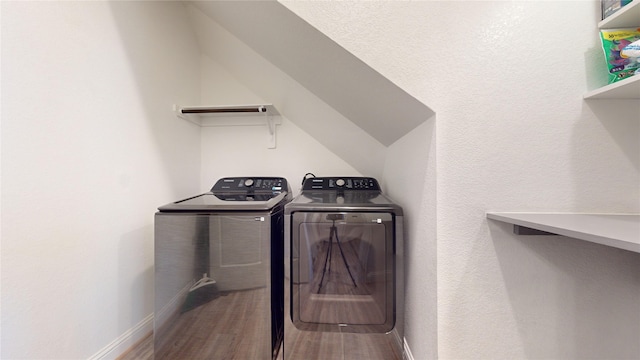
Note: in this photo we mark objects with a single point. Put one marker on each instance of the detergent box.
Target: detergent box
(619, 63)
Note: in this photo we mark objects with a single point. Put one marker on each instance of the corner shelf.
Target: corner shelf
(628, 16)
(233, 115)
(621, 231)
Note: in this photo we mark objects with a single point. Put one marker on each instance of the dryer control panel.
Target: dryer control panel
(341, 183)
(250, 184)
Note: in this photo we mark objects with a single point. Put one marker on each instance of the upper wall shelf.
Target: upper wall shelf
(628, 16)
(222, 111)
(233, 115)
(616, 230)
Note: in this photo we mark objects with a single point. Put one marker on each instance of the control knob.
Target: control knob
(340, 182)
(248, 182)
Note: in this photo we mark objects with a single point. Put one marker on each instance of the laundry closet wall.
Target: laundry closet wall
(506, 81)
(234, 73)
(241, 150)
(90, 148)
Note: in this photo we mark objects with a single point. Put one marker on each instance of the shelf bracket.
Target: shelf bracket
(271, 126)
(178, 111)
(523, 230)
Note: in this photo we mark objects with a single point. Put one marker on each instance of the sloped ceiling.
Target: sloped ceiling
(343, 82)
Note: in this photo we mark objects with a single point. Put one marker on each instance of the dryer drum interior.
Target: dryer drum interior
(343, 271)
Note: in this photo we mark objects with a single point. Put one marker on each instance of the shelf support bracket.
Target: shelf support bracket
(523, 230)
(271, 126)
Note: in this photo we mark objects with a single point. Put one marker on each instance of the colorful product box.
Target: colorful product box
(619, 63)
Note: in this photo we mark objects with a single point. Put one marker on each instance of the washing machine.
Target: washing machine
(344, 286)
(219, 273)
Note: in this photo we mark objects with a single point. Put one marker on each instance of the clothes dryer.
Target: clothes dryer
(344, 295)
(219, 288)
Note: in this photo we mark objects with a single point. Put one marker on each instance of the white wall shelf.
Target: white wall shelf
(616, 230)
(233, 115)
(625, 89)
(200, 113)
(628, 16)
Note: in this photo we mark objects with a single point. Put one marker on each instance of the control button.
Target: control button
(340, 182)
(248, 182)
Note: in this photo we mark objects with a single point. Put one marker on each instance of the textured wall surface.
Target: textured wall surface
(312, 115)
(90, 148)
(512, 134)
(233, 150)
(410, 180)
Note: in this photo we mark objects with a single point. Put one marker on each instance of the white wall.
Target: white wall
(242, 150)
(506, 81)
(90, 148)
(275, 86)
(410, 180)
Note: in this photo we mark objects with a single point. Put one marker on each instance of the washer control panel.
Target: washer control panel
(248, 184)
(341, 183)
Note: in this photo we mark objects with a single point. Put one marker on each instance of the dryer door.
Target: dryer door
(342, 276)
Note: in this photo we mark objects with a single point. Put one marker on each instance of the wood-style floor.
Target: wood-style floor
(194, 336)
(231, 325)
(143, 350)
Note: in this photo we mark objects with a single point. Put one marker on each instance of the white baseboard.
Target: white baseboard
(407, 352)
(129, 338)
(118, 346)
(172, 307)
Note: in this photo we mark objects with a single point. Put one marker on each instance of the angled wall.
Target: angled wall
(513, 134)
(364, 119)
(330, 94)
(319, 64)
(230, 149)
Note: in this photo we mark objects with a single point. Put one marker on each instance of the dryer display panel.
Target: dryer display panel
(342, 271)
